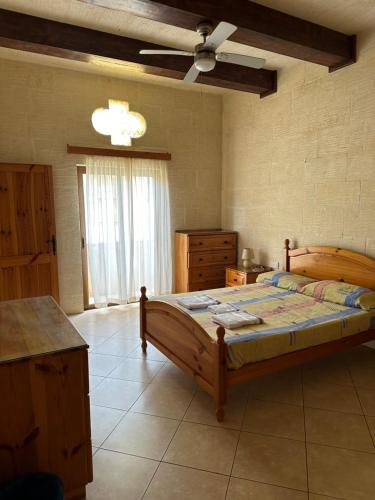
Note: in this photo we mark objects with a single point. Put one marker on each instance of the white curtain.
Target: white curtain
(128, 228)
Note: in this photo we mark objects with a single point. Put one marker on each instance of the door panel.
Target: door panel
(28, 262)
(24, 216)
(6, 222)
(42, 213)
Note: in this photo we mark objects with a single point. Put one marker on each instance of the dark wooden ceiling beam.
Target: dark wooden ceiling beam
(34, 34)
(258, 26)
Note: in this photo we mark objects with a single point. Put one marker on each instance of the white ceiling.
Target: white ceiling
(348, 16)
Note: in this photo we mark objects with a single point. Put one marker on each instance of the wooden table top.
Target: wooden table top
(34, 327)
(250, 270)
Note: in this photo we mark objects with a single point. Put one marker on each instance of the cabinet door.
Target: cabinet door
(45, 423)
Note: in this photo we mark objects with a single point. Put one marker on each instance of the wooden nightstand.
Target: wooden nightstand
(238, 275)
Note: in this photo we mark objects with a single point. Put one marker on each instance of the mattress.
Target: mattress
(291, 321)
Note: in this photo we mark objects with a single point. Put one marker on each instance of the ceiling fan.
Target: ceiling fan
(205, 55)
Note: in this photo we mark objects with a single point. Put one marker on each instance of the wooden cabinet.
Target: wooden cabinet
(201, 258)
(45, 413)
(237, 275)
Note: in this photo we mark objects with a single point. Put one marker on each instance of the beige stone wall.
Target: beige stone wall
(301, 163)
(43, 109)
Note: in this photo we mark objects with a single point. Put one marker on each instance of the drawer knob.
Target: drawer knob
(234, 279)
(200, 275)
(200, 243)
(226, 242)
(225, 257)
(200, 259)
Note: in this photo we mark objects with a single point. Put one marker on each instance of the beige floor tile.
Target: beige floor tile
(203, 447)
(102, 365)
(331, 397)
(371, 425)
(267, 459)
(94, 381)
(328, 370)
(173, 482)
(138, 370)
(115, 393)
(314, 496)
(363, 375)
(360, 355)
(367, 398)
(202, 410)
(103, 328)
(143, 435)
(341, 473)
(164, 401)
(116, 346)
(242, 489)
(118, 476)
(103, 421)
(276, 419)
(171, 375)
(338, 429)
(152, 354)
(130, 332)
(94, 340)
(282, 387)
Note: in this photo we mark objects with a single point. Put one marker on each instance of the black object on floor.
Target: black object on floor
(37, 486)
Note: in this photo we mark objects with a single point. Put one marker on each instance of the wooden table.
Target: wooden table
(45, 412)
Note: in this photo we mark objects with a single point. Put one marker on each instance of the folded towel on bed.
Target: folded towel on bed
(222, 308)
(236, 319)
(197, 302)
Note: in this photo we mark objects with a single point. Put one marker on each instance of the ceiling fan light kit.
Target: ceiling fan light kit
(205, 55)
(204, 60)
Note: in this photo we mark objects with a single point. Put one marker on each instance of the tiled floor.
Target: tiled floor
(302, 434)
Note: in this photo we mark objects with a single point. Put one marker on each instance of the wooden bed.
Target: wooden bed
(186, 343)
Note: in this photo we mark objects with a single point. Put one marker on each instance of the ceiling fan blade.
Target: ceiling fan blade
(192, 74)
(249, 61)
(222, 31)
(167, 52)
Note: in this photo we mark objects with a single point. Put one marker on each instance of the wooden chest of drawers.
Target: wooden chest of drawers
(201, 258)
(44, 385)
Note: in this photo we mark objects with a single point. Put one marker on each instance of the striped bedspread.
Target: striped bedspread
(291, 321)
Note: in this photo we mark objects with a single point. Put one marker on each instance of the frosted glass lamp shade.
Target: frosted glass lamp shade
(118, 122)
(247, 256)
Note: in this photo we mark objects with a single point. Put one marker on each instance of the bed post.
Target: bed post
(220, 389)
(142, 301)
(286, 259)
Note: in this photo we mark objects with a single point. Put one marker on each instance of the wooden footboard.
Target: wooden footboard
(183, 341)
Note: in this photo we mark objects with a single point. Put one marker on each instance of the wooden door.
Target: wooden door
(28, 262)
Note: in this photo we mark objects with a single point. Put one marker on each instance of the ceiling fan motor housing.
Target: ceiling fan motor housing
(204, 59)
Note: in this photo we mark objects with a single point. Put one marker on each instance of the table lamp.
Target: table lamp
(247, 256)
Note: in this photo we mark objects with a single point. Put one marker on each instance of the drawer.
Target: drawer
(216, 241)
(235, 278)
(198, 275)
(207, 285)
(196, 259)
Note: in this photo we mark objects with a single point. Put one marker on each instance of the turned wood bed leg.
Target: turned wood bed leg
(142, 301)
(286, 263)
(220, 382)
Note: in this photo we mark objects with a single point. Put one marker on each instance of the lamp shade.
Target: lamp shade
(247, 254)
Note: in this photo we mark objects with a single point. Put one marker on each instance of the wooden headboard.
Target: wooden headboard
(330, 263)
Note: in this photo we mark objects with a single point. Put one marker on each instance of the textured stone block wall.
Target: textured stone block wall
(44, 108)
(301, 163)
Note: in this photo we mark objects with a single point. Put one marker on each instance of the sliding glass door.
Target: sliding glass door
(126, 240)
